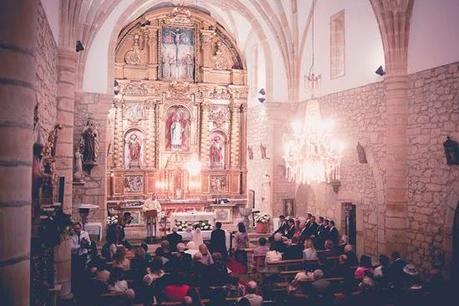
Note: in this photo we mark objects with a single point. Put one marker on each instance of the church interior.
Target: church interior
(236, 152)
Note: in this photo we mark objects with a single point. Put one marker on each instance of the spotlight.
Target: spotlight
(79, 46)
(261, 95)
(380, 71)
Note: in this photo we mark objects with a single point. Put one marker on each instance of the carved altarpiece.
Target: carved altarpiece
(181, 94)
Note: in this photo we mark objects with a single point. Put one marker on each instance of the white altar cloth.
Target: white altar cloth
(194, 216)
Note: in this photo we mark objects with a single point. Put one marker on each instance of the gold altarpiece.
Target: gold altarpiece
(180, 96)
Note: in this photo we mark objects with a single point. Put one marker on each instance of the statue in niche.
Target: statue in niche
(89, 143)
(361, 154)
(177, 128)
(78, 166)
(263, 151)
(133, 149)
(216, 152)
(218, 58)
(250, 151)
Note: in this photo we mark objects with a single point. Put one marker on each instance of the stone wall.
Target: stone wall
(46, 73)
(433, 189)
(93, 190)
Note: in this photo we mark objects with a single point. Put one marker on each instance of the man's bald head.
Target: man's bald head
(252, 287)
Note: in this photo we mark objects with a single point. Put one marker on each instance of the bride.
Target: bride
(196, 237)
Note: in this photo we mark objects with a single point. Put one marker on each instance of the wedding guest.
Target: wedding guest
(120, 260)
(290, 229)
(262, 248)
(206, 257)
(278, 244)
(252, 294)
(173, 239)
(241, 241)
(309, 252)
(282, 226)
(352, 260)
(218, 240)
(117, 283)
(333, 232)
(363, 267)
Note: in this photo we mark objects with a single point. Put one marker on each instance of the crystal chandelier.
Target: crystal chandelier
(310, 153)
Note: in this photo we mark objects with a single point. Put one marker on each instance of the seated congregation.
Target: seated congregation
(303, 262)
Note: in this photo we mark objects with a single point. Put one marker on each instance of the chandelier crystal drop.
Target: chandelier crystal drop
(310, 153)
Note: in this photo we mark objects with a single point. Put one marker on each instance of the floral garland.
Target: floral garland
(262, 218)
(184, 225)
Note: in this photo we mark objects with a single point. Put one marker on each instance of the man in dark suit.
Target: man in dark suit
(282, 226)
(218, 240)
(173, 238)
(333, 233)
(396, 269)
(180, 261)
(312, 229)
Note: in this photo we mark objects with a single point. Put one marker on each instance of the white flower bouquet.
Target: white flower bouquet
(184, 225)
(112, 220)
(262, 218)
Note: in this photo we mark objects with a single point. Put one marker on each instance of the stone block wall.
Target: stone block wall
(94, 189)
(46, 73)
(433, 186)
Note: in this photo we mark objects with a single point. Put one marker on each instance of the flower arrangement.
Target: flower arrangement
(184, 225)
(262, 218)
(112, 220)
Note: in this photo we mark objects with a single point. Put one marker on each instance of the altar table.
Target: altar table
(193, 216)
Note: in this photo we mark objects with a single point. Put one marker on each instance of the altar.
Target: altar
(193, 216)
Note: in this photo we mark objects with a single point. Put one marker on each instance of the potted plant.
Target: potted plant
(262, 221)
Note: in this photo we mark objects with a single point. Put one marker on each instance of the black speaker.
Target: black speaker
(79, 46)
(380, 71)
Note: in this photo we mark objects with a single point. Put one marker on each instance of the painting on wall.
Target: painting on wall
(217, 150)
(218, 184)
(133, 184)
(223, 215)
(177, 54)
(289, 207)
(133, 149)
(178, 120)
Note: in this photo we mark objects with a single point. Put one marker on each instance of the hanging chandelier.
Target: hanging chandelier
(310, 153)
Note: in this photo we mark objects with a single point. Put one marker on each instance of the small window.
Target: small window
(337, 45)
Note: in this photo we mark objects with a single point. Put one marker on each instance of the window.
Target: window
(337, 45)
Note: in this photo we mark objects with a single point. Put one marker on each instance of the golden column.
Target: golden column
(235, 135)
(118, 131)
(204, 144)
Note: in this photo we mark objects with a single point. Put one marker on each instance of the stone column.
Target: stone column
(235, 136)
(64, 156)
(118, 131)
(204, 134)
(151, 34)
(17, 73)
(393, 17)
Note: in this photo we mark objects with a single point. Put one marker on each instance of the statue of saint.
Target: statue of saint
(78, 174)
(134, 148)
(176, 132)
(216, 151)
(89, 143)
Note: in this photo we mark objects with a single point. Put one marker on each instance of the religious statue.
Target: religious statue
(250, 150)
(78, 168)
(216, 151)
(134, 147)
(361, 154)
(189, 66)
(89, 143)
(176, 132)
(132, 57)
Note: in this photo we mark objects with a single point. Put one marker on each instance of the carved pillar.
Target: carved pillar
(67, 60)
(206, 47)
(205, 133)
(118, 141)
(156, 131)
(235, 135)
(17, 73)
(150, 142)
(394, 22)
(243, 133)
(151, 34)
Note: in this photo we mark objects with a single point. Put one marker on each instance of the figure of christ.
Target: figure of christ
(176, 132)
(177, 39)
(134, 149)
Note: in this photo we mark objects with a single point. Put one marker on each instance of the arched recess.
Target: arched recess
(218, 149)
(451, 231)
